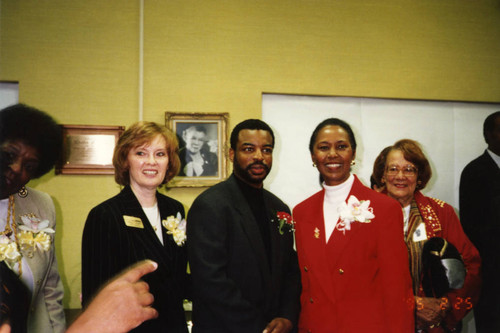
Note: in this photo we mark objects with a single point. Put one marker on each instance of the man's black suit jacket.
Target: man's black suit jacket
(234, 288)
(480, 217)
(480, 203)
(109, 246)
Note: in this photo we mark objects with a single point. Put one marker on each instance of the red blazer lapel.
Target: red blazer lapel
(339, 240)
(314, 243)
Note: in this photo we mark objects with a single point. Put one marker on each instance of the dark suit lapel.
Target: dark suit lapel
(488, 160)
(277, 239)
(250, 227)
(147, 235)
(494, 193)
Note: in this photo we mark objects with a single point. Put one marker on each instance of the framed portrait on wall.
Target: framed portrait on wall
(202, 147)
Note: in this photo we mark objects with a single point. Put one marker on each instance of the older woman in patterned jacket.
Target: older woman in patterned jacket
(403, 170)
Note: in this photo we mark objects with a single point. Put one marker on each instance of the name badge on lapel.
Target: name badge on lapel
(132, 221)
(420, 234)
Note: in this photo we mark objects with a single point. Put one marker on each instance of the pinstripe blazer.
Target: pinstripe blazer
(46, 310)
(109, 246)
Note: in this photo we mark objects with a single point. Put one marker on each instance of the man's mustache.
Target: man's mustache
(265, 166)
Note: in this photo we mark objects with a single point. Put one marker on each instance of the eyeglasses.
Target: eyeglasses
(408, 171)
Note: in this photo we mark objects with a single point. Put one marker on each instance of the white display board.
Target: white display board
(449, 132)
(9, 94)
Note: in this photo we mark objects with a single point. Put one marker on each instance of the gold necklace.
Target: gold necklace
(10, 215)
(11, 221)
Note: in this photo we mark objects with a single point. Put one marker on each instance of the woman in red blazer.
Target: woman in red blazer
(353, 259)
(403, 170)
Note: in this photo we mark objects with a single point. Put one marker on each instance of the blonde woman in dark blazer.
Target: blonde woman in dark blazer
(140, 223)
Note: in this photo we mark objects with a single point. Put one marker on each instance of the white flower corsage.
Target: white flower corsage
(354, 211)
(8, 250)
(34, 234)
(35, 225)
(176, 226)
(29, 241)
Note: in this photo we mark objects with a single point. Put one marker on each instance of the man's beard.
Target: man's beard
(246, 175)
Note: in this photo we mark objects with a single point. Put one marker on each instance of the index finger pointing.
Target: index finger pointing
(138, 270)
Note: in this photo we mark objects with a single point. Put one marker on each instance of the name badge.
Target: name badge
(420, 234)
(132, 221)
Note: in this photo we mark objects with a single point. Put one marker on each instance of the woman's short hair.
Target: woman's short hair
(333, 122)
(138, 134)
(34, 128)
(412, 152)
(379, 166)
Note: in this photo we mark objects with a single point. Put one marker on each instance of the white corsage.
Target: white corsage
(176, 226)
(34, 234)
(354, 211)
(29, 241)
(8, 250)
(35, 225)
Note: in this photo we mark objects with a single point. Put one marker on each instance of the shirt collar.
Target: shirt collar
(495, 157)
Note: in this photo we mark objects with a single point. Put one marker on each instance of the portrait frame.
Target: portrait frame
(202, 164)
(88, 149)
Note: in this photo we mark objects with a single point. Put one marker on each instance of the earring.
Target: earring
(353, 162)
(314, 165)
(23, 192)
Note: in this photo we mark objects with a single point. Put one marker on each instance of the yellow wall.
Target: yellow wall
(79, 61)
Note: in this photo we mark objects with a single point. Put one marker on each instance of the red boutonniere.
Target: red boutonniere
(285, 222)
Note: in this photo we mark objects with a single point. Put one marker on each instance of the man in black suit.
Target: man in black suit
(480, 217)
(244, 268)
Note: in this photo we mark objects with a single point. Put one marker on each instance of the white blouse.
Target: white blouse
(153, 215)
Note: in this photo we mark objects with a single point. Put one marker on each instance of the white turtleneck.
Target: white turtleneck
(334, 196)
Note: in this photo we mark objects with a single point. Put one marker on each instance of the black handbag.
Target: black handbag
(443, 268)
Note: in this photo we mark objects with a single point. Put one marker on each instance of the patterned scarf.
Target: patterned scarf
(414, 247)
(423, 223)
